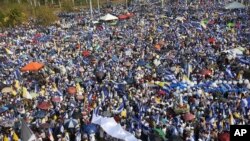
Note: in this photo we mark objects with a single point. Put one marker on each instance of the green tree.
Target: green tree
(45, 15)
(15, 17)
(2, 16)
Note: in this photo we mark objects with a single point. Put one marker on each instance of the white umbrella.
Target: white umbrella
(235, 5)
(108, 17)
(70, 123)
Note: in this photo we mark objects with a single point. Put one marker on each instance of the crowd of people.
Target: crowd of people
(171, 73)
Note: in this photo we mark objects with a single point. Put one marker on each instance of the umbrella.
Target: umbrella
(56, 99)
(90, 128)
(70, 123)
(130, 14)
(108, 17)
(225, 136)
(211, 40)
(188, 117)
(123, 17)
(7, 90)
(40, 114)
(85, 53)
(141, 63)
(158, 46)
(72, 90)
(3, 109)
(206, 72)
(32, 66)
(44, 105)
(160, 133)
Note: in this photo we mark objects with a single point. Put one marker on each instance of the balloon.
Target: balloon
(246, 81)
(230, 82)
(224, 82)
(195, 82)
(220, 81)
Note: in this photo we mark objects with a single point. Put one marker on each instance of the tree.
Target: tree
(15, 16)
(2, 16)
(45, 15)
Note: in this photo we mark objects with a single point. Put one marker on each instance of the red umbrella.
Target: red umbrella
(123, 17)
(130, 14)
(56, 99)
(44, 105)
(72, 90)
(206, 72)
(85, 53)
(188, 117)
(211, 40)
(225, 136)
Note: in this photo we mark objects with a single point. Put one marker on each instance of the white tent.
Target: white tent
(108, 17)
(235, 5)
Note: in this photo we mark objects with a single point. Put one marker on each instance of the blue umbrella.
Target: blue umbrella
(40, 114)
(3, 109)
(90, 128)
(141, 63)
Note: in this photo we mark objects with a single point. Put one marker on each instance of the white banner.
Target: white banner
(111, 127)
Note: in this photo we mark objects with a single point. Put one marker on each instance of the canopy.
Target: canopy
(235, 5)
(108, 17)
(32, 66)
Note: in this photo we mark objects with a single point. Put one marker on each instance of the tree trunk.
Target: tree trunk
(35, 3)
(60, 4)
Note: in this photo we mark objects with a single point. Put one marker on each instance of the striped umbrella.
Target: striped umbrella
(70, 123)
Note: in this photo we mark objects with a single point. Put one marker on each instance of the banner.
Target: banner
(26, 133)
(111, 127)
